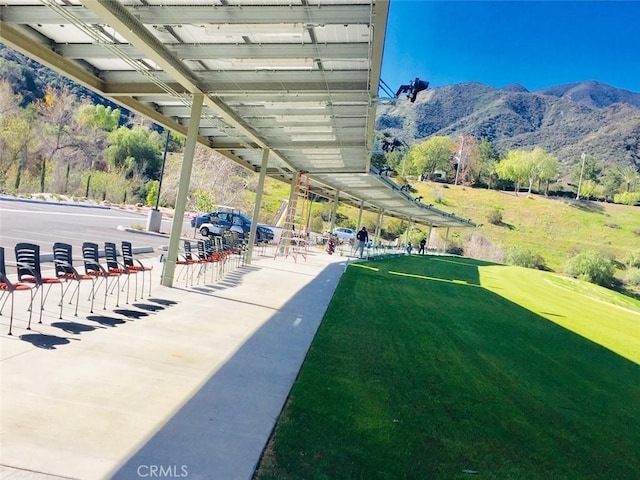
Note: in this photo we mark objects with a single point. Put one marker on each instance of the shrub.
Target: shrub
(633, 259)
(205, 200)
(627, 198)
(455, 249)
(152, 193)
(523, 257)
(592, 267)
(495, 216)
(481, 248)
(632, 277)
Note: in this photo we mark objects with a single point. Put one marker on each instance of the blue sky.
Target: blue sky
(538, 44)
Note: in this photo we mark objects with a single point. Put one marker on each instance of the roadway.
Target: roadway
(45, 223)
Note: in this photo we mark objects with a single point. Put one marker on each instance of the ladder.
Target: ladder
(294, 240)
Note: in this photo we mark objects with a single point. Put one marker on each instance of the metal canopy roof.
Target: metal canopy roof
(297, 77)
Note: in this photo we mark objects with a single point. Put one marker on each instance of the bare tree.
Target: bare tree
(71, 143)
(211, 172)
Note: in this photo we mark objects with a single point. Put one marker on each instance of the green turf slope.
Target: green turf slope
(601, 315)
(433, 367)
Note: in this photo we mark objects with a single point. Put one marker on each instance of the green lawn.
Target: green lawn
(425, 367)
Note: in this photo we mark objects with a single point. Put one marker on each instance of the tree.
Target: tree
(204, 200)
(468, 166)
(433, 154)
(18, 135)
(515, 167)
(136, 151)
(611, 183)
(66, 140)
(630, 178)
(590, 189)
(106, 118)
(546, 167)
(522, 165)
(488, 157)
(591, 171)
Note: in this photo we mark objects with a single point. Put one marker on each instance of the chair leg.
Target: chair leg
(77, 297)
(62, 296)
(7, 294)
(106, 290)
(92, 296)
(11, 314)
(43, 297)
(94, 290)
(142, 290)
(33, 297)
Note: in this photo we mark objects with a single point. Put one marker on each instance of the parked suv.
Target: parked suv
(211, 223)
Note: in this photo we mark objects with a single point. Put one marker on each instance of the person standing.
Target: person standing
(363, 237)
(423, 243)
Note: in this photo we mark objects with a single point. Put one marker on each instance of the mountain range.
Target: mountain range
(591, 117)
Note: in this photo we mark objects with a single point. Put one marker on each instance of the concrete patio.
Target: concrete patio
(186, 383)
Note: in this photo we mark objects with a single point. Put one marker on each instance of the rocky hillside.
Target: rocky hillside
(590, 117)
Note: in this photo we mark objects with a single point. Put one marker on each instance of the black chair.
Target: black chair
(215, 257)
(29, 271)
(7, 287)
(204, 259)
(115, 267)
(91, 256)
(135, 265)
(63, 260)
(187, 261)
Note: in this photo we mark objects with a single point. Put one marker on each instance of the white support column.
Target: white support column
(446, 241)
(334, 211)
(292, 190)
(376, 237)
(359, 225)
(256, 208)
(183, 190)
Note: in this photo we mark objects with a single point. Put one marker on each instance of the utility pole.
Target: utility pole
(459, 164)
(154, 219)
(583, 156)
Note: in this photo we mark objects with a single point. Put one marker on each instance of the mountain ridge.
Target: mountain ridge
(566, 120)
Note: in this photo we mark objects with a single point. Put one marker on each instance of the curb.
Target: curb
(124, 228)
(49, 202)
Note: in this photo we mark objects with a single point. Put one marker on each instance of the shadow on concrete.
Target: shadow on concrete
(162, 301)
(73, 327)
(46, 342)
(106, 321)
(134, 314)
(148, 307)
(221, 430)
